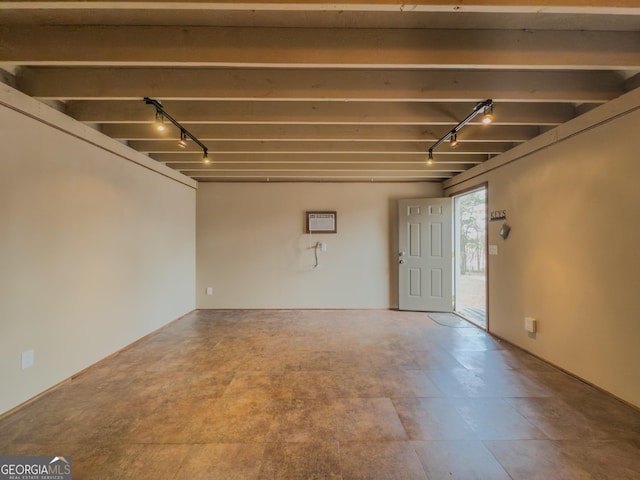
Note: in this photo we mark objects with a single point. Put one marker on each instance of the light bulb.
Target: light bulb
(205, 157)
(454, 140)
(430, 158)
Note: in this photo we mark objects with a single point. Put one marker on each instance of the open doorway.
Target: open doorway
(470, 244)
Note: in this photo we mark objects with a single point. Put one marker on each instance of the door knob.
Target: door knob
(401, 261)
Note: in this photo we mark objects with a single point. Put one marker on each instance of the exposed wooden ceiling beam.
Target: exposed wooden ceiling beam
(416, 167)
(316, 160)
(315, 48)
(324, 133)
(301, 179)
(316, 85)
(477, 6)
(242, 112)
(264, 147)
(182, 13)
(204, 174)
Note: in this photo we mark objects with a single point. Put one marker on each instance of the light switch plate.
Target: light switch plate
(493, 249)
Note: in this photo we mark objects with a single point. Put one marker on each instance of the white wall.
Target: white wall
(253, 252)
(572, 259)
(95, 250)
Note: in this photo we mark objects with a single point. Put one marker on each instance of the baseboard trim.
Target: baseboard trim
(275, 309)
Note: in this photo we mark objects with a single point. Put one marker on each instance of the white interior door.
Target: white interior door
(425, 256)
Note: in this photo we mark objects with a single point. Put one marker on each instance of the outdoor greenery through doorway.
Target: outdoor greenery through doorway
(470, 274)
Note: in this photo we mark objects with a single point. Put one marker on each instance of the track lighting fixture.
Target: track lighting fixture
(185, 134)
(485, 107)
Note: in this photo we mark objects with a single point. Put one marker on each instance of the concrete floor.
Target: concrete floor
(327, 395)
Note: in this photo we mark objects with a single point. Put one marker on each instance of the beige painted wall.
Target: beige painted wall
(95, 251)
(252, 251)
(572, 258)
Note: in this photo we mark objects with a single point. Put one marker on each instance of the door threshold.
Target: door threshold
(475, 316)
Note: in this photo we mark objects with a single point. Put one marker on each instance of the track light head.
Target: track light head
(487, 116)
(453, 139)
(205, 157)
(183, 139)
(159, 123)
(430, 158)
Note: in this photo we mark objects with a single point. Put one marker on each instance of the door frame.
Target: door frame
(457, 193)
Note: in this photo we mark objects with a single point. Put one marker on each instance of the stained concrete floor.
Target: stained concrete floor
(327, 395)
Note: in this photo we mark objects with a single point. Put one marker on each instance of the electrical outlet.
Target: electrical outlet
(28, 359)
(209, 291)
